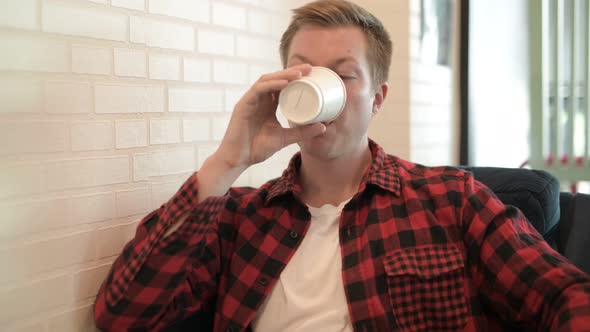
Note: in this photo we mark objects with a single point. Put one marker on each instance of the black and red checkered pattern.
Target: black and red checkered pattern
(423, 249)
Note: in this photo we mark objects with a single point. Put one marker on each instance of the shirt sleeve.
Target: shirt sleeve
(517, 273)
(149, 287)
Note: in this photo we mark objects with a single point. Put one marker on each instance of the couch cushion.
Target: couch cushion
(534, 192)
(574, 229)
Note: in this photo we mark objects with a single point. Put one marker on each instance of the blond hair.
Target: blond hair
(339, 13)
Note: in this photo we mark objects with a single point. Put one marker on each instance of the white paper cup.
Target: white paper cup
(318, 97)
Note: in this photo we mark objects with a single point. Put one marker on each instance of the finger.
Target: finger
(297, 134)
(269, 86)
(290, 74)
(251, 97)
(273, 83)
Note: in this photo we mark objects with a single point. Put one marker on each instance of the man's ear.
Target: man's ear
(380, 94)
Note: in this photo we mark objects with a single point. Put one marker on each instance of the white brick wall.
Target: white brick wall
(230, 72)
(88, 136)
(120, 99)
(130, 4)
(131, 134)
(21, 95)
(229, 16)
(163, 34)
(82, 173)
(132, 202)
(74, 320)
(160, 163)
(34, 298)
(216, 42)
(23, 217)
(196, 130)
(197, 11)
(259, 22)
(72, 19)
(19, 14)
(68, 97)
(20, 179)
(44, 256)
(183, 99)
(197, 70)
(165, 131)
(32, 53)
(93, 207)
(129, 62)
(256, 47)
(91, 60)
(107, 106)
(32, 136)
(164, 67)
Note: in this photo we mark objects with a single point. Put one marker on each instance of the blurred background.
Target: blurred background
(107, 106)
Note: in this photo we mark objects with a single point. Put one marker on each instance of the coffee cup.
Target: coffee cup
(317, 97)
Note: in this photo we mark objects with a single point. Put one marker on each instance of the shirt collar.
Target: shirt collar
(383, 173)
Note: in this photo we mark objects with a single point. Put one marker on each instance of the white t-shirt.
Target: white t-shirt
(309, 295)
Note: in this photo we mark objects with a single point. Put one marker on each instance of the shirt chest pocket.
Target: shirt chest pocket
(426, 288)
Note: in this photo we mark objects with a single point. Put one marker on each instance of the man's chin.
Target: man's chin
(319, 147)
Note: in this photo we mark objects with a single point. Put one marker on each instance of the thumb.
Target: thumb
(294, 135)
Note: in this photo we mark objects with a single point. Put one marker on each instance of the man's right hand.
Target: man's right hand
(254, 133)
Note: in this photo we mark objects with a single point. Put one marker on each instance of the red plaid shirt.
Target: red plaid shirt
(423, 249)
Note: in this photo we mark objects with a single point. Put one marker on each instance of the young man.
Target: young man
(349, 238)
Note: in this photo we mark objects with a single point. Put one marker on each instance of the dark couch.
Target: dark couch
(562, 218)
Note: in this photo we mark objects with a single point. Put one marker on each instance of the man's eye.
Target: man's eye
(346, 77)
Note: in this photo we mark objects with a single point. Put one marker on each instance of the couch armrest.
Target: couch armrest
(574, 231)
(534, 192)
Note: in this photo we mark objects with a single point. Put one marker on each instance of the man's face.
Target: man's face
(342, 49)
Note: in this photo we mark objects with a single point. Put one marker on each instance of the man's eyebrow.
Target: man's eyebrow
(333, 64)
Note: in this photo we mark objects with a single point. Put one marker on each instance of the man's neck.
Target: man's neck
(334, 180)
